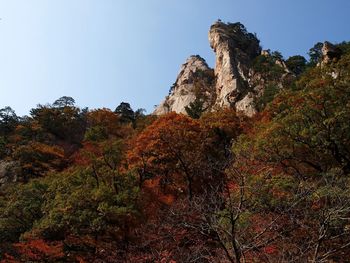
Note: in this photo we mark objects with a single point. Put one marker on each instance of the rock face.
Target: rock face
(195, 79)
(9, 172)
(329, 53)
(235, 49)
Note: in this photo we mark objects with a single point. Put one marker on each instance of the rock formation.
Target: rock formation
(234, 48)
(195, 79)
(233, 83)
(330, 53)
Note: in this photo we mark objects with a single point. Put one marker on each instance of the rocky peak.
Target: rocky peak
(190, 70)
(235, 49)
(194, 79)
(329, 53)
(235, 36)
(236, 82)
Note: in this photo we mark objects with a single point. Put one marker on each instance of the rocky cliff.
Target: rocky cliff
(235, 49)
(234, 82)
(194, 80)
(330, 53)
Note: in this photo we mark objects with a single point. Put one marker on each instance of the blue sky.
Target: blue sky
(102, 52)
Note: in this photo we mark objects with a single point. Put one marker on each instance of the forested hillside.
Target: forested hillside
(80, 185)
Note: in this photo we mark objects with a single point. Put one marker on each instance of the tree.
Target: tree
(267, 66)
(170, 148)
(299, 155)
(37, 159)
(195, 108)
(315, 53)
(297, 64)
(66, 123)
(344, 47)
(103, 124)
(64, 102)
(270, 91)
(8, 121)
(276, 55)
(221, 129)
(125, 112)
(244, 40)
(20, 207)
(76, 204)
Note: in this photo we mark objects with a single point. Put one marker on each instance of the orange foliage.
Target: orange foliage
(38, 158)
(166, 147)
(110, 121)
(9, 259)
(225, 120)
(272, 249)
(153, 187)
(87, 154)
(40, 250)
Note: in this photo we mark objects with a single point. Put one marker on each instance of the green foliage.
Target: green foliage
(128, 115)
(171, 89)
(20, 207)
(296, 64)
(37, 159)
(63, 121)
(76, 204)
(8, 121)
(344, 47)
(315, 53)
(126, 112)
(267, 66)
(64, 102)
(276, 55)
(295, 165)
(243, 39)
(195, 108)
(238, 187)
(70, 203)
(96, 134)
(269, 94)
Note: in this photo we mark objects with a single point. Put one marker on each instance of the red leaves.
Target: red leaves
(40, 250)
(272, 249)
(9, 259)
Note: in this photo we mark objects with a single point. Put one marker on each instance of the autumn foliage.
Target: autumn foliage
(120, 186)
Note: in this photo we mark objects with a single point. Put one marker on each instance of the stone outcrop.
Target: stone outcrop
(233, 83)
(235, 49)
(195, 79)
(9, 172)
(330, 53)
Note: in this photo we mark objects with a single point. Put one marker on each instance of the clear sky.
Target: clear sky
(102, 52)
